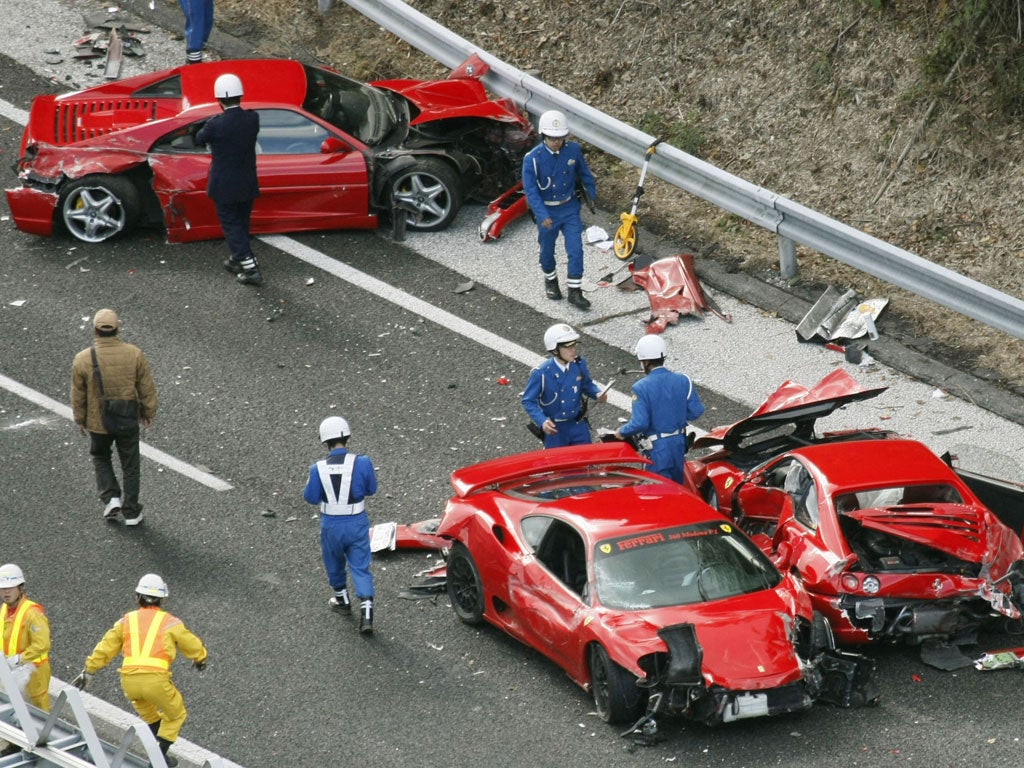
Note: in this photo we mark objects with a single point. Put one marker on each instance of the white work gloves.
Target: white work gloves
(82, 681)
(14, 660)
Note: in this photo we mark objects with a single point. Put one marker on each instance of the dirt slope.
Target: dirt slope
(823, 101)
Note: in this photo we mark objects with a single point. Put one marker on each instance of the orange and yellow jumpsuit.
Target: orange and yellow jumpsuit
(26, 630)
(149, 638)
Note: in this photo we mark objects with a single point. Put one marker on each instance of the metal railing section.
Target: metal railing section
(48, 740)
(793, 223)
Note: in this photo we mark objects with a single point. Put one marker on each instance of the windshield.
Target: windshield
(679, 566)
(356, 108)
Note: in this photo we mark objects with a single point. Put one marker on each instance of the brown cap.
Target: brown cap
(105, 320)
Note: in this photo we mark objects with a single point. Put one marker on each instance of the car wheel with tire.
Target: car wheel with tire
(429, 193)
(465, 589)
(97, 208)
(616, 695)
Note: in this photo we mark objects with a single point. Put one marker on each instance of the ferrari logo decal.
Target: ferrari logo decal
(726, 528)
(728, 483)
(587, 620)
(606, 549)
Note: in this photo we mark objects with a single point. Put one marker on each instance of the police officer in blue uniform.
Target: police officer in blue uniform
(663, 403)
(551, 172)
(553, 397)
(339, 484)
(198, 25)
(232, 182)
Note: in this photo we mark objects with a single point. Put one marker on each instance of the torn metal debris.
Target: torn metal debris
(838, 315)
(673, 289)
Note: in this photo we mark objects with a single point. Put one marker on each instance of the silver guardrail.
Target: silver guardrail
(793, 223)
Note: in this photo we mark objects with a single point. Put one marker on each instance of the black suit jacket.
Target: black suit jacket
(231, 137)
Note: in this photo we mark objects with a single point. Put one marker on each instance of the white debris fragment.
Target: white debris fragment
(310, 280)
(18, 303)
(939, 394)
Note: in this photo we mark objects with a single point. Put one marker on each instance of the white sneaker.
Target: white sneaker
(133, 520)
(113, 507)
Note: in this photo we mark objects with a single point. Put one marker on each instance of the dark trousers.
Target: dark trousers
(234, 220)
(106, 481)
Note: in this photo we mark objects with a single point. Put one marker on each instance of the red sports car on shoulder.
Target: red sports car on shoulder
(333, 153)
(643, 594)
(890, 542)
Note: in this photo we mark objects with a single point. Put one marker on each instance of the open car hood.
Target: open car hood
(955, 529)
(792, 403)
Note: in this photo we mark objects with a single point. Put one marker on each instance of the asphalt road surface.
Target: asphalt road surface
(244, 376)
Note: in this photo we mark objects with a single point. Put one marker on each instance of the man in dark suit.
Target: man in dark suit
(232, 183)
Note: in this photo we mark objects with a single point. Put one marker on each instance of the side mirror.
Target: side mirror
(332, 144)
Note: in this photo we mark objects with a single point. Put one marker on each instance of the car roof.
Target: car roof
(876, 464)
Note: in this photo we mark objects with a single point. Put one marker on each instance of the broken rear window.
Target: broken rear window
(896, 496)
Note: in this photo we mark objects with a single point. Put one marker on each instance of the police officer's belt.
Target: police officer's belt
(660, 435)
(557, 202)
(352, 509)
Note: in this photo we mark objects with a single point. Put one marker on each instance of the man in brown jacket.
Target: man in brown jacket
(125, 376)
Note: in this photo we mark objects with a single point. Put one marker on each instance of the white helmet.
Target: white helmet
(558, 334)
(227, 86)
(553, 123)
(11, 576)
(651, 347)
(332, 428)
(152, 585)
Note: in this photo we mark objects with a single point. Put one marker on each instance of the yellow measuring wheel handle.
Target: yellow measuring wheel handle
(625, 236)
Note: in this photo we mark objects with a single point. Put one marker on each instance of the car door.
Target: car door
(310, 178)
(553, 585)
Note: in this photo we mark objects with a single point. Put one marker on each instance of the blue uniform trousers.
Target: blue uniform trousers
(669, 456)
(198, 23)
(345, 540)
(565, 219)
(569, 433)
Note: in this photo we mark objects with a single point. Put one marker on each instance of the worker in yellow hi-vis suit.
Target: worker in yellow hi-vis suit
(149, 638)
(26, 637)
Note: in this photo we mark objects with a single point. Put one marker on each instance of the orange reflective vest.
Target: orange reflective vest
(144, 640)
(12, 644)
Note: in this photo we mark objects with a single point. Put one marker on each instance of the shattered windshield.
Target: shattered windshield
(679, 566)
(356, 108)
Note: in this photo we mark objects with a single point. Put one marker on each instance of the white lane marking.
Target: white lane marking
(13, 113)
(422, 308)
(179, 466)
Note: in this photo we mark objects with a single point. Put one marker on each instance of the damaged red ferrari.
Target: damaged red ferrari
(890, 541)
(333, 153)
(638, 590)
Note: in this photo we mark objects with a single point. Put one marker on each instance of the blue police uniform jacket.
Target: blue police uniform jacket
(231, 137)
(364, 481)
(550, 178)
(552, 393)
(663, 403)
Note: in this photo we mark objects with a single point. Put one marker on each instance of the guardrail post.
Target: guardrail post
(787, 258)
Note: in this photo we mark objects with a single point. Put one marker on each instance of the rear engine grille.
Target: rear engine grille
(79, 121)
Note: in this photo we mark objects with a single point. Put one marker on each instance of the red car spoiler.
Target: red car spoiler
(475, 477)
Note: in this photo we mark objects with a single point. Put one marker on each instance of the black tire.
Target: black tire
(465, 589)
(97, 208)
(616, 695)
(430, 194)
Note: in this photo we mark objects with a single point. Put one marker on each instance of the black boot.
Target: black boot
(366, 616)
(249, 271)
(577, 299)
(341, 602)
(551, 289)
(154, 727)
(165, 745)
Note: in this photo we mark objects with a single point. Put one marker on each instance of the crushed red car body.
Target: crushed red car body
(333, 153)
(635, 588)
(890, 541)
